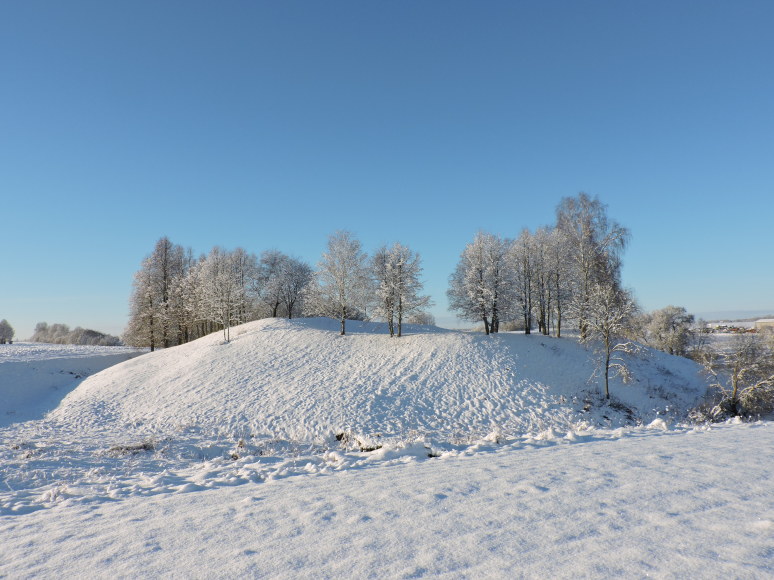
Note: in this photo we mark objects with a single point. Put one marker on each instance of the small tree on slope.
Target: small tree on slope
(608, 314)
(743, 375)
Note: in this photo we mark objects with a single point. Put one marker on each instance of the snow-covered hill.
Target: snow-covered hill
(301, 381)
(498, 459)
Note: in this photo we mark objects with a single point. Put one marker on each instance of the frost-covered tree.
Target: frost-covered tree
(609, 311)
(594, 244)
(559, 276)
(61, 334)
(295, 276)
(183, 300)
(223, 289)
(151, 309)
(343, 276)
(522, 255)
(268, 281)
(397, 272)
(743, 375)
(6, 331)
(480, 287)
(385, 287)
(668, 329)
(280, 284)
(541, 279)
(421, 317)
(142, 329)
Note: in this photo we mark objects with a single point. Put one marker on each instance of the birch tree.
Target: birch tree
(522, 261)
(594, 244)
(343, 276)
(397, 272)
(608, 315)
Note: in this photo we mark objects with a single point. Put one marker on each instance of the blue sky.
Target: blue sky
(273, 124)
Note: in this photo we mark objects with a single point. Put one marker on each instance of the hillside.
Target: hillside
(301, 381)
(498, 459)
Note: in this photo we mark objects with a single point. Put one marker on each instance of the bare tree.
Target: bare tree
(268, 281)
(559, 276)
(743, 375)
(609, 312)
(396, 271)
(295, 276)
(343, 275)
(522, 259)
(151, 306)
(381, 268)
(480, 288)
(595, 244)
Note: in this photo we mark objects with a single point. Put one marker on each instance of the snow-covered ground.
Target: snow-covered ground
(294, 452)
(34, 377)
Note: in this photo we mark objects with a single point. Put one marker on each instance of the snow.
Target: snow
(491, 457)
(302, 381)
(34, 377)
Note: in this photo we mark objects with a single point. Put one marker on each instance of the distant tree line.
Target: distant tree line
(177, 297)
(61, 334)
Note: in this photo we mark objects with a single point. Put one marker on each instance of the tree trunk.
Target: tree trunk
(607, 368)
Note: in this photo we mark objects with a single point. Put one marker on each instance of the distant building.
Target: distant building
(764, 324)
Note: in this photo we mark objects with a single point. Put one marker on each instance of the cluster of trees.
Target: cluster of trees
(741, 372)
(6, 331)
(542, 277)
(177, 298)
(61, 334)
(565, 273)
(570, 270)
(741, 369)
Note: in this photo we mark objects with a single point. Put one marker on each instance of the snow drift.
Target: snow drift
(300, 380)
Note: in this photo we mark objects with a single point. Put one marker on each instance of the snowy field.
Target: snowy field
(294, 452)
(35, 377)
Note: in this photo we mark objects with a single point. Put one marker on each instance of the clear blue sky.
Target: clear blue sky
(272, 124)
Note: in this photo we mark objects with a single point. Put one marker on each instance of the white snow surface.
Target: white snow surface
(34, 377)
(493, 457)
(299, 380)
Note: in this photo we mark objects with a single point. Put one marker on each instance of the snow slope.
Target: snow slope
(301, 381)
(35, 377)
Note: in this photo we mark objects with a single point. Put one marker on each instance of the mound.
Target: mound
(300, 380)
